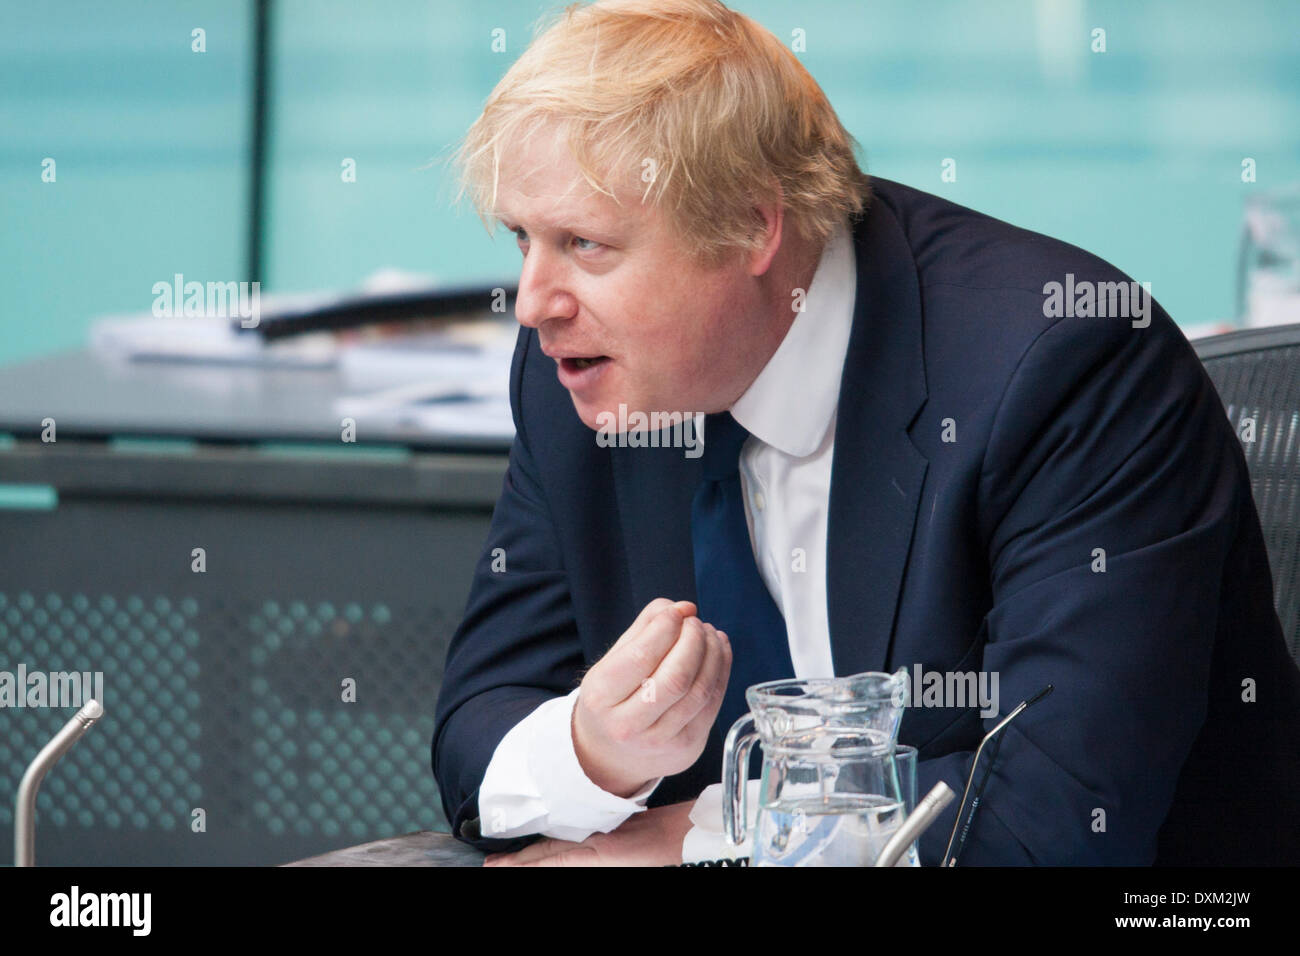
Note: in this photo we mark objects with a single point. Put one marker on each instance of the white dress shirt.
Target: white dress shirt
(534, 783)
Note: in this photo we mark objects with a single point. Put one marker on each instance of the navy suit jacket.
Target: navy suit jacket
(1173, 732)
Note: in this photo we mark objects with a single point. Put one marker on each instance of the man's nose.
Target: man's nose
(543, 292)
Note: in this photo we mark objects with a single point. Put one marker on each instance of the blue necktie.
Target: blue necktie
(729, 591)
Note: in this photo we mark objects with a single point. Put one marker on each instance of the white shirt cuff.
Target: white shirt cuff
(534, 783)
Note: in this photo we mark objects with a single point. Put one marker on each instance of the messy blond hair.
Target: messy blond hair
(694, 106)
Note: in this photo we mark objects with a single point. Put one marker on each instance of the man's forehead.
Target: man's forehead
(555, 204)
(544, 187)
(552, 210)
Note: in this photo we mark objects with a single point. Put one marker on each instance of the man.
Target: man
(916, 455)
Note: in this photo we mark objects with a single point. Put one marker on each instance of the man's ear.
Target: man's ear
(769, 222)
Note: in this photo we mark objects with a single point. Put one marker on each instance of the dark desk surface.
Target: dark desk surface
(425, 848)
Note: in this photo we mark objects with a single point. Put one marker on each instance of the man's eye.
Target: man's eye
(594, 244)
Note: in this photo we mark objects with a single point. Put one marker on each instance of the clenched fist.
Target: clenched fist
(646, 707)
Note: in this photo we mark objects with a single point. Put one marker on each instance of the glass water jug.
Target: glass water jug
(831, 792)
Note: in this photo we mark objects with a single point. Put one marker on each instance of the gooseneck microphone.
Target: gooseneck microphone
(25, 810)
(926, 812)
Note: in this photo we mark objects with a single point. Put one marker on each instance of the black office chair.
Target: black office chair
(1257, 374)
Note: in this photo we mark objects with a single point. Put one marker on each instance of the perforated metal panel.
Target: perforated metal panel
(142, 775)
(1260, 389)
(258, 733)
(224, 690)
(321, 764)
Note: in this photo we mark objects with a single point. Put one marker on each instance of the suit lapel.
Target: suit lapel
(876, 472)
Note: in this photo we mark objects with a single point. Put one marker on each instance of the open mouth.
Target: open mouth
(578, 364)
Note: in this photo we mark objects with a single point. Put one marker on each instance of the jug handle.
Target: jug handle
(735, 775)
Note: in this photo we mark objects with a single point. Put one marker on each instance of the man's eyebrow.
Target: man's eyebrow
(575, 227)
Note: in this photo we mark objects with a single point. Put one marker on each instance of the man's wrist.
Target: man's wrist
(610, 783)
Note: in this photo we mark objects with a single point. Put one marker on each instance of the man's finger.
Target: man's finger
(579, 856)
(710, 680)
(671, 679)
(648, 613)
(547, 846)
(623, 670)
(701, 723)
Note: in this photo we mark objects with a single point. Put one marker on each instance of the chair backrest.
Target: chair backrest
(1257, 374)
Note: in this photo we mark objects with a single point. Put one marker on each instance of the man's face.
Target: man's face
(616, 302)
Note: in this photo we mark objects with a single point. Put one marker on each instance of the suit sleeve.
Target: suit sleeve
(517, 645)
(1108, 501)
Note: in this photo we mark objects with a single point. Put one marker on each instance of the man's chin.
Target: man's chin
(626, 418)
(594, 415)
(609, 416)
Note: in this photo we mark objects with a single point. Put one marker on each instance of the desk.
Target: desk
(414, 849)
(324, 562)
(89, 395)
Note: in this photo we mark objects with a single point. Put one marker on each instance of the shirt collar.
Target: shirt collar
(791, 403)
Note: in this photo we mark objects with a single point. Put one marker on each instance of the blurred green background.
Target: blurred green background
(1134, 154)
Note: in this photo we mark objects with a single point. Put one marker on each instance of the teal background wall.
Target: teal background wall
(1134, 154)
(150, 143)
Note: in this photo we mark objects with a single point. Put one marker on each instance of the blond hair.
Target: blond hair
(696, 107)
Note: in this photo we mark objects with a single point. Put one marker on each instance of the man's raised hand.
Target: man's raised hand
(646, 707)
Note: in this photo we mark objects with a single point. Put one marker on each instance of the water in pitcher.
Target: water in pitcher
(837, 829)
